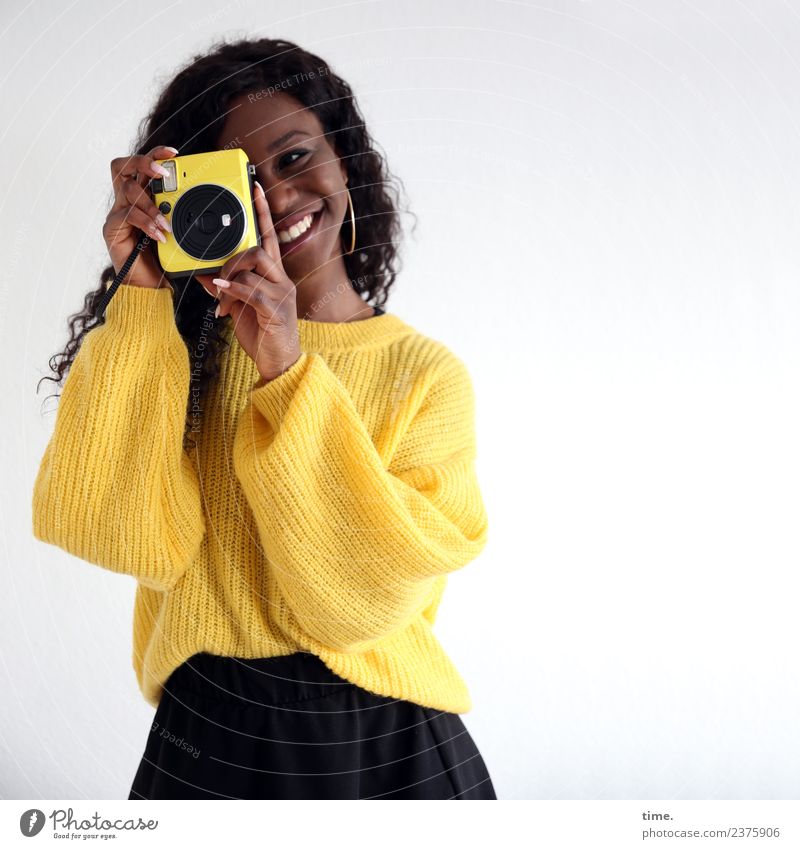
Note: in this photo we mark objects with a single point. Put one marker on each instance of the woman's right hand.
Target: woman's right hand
(133, 213)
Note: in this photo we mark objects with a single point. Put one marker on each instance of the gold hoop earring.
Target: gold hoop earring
(352, 224)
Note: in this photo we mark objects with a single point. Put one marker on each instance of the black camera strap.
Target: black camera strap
(144, 241)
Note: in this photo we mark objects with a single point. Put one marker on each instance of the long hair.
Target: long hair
(189, 115)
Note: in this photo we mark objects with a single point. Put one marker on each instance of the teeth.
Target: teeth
(295, 230)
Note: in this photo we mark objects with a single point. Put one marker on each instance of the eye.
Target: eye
(299, 153)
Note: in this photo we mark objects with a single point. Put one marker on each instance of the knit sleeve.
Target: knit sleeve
(114, 486)
(358, 548)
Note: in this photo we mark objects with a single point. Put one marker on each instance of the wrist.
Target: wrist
(267, 376)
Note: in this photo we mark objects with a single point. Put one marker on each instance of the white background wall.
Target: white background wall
(608, 203)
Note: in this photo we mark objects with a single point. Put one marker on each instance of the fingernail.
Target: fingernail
(173, 149)
(161, 237)
(216, 312)
(163, 223)
(260, 187)
(160, 169)
(221, 282)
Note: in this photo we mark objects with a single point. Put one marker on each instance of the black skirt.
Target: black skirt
(289, 728)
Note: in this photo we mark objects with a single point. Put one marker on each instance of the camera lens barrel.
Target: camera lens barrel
(209, 221)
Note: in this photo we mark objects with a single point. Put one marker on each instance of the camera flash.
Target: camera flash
(171, 180)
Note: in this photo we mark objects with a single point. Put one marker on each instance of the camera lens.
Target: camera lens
(208, 222)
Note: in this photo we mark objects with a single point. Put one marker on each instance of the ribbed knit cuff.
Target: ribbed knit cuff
(140, 311)
(272, 398)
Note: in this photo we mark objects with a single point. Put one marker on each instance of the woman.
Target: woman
(290, 554)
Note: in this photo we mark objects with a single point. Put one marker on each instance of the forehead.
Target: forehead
(260, 117)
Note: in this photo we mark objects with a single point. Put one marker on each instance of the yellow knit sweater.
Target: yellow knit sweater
(321, 511)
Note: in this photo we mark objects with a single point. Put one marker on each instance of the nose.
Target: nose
(281, 195)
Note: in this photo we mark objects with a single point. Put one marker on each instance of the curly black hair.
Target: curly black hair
(189, 115)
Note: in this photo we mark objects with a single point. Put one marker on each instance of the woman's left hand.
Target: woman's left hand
(261, 299)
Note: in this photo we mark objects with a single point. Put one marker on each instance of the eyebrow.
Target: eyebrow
(285, 137)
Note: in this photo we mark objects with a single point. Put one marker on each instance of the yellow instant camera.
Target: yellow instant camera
(208, 200)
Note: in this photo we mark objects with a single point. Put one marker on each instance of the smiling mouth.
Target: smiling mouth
(293, 233)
